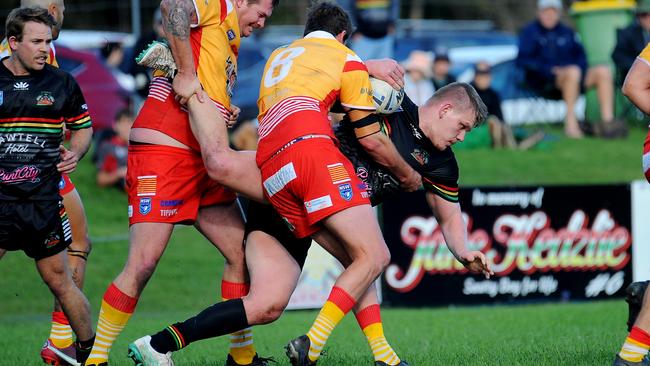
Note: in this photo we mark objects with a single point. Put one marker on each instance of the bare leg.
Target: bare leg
(568, 81)
(601, 78)
(147, 243)
(223, 226)
(55, 273)
(236, 170)
(359, 232)
(266, 259)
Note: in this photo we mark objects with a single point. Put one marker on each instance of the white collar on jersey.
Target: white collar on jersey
(320, 34)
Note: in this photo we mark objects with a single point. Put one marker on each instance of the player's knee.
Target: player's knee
(58, 281)
(269, 313)
(380, 260)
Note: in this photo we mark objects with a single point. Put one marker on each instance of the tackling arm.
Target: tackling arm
(177, 15)
(454, 230)
(382, 150)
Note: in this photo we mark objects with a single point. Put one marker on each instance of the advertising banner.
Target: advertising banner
(560, 242)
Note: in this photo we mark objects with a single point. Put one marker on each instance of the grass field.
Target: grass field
(188, 276)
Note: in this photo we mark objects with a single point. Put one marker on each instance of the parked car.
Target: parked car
(103, 93)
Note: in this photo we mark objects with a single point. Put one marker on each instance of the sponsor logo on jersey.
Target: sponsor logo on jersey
(231, 76)
(345, 190)
(364, 194)
(52, 240)
(362, 173)
(231, 34)
(130, 210)
(1, 97)
(147, 185)
(26, 173)
(61, 183)
(45, 99)
(318, 204)
(420, 156)
(145, 205)
(338, 173)
(168, 212)
(171, 203)
(280, 179)
(84, 107)
(21, 85)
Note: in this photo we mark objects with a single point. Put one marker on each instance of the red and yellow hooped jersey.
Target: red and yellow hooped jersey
(215, 43)
(214, 39)
(5, 51)
(301, 82)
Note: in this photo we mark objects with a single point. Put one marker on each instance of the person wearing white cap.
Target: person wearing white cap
(556, 66)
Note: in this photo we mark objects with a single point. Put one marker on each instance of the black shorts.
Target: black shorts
(264, 218)
(39, 228)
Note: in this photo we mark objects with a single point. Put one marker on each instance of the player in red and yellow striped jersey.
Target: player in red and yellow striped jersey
(167, 182)
(78, 251)
(635, 348)
(311, 184)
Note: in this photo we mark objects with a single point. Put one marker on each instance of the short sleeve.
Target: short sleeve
(211, 11)
(443, 180)
(76, 110)
(645, 55)
(355, 84)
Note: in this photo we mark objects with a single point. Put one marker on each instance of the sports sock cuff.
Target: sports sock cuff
(342, 299)
(233, 290)
(119, 300)
(368, 315)
(59, 317)
(640, 335)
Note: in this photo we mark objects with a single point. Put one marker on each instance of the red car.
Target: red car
(104, 95)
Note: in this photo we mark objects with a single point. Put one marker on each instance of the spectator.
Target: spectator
(112, 152)
(441, 66)
(375, 27)
(499, 131)
(631, 40)
(417, 81)
(142, 75)
(113, 55)
(555, 65)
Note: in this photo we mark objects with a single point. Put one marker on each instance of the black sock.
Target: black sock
(83, 349)
(219, 319)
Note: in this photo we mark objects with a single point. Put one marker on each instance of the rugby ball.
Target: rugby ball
(387, 100)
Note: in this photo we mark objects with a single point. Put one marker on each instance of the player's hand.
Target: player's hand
(234, 115)
(387, 70)
(476, 262)
(185, 85)
(412, 182)
(69, 160)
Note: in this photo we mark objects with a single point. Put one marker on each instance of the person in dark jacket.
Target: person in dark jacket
(555, 64)
(631, 40)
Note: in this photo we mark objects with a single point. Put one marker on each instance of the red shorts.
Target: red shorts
(169, 184)
(309, 181)
(65, 185)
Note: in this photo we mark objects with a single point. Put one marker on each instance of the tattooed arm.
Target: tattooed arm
(177, 15)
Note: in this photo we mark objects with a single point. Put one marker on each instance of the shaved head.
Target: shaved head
(54, 7)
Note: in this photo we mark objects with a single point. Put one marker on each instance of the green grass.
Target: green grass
(187, 280)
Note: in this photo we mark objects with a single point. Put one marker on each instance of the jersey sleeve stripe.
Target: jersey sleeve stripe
(31, 119)
(354, 66)
(76, 118)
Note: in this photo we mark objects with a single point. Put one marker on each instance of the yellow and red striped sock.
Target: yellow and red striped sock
(60, 332)
(369, 319)
(242, 348)
(636, 345)
(117, 308)
(337, 305)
